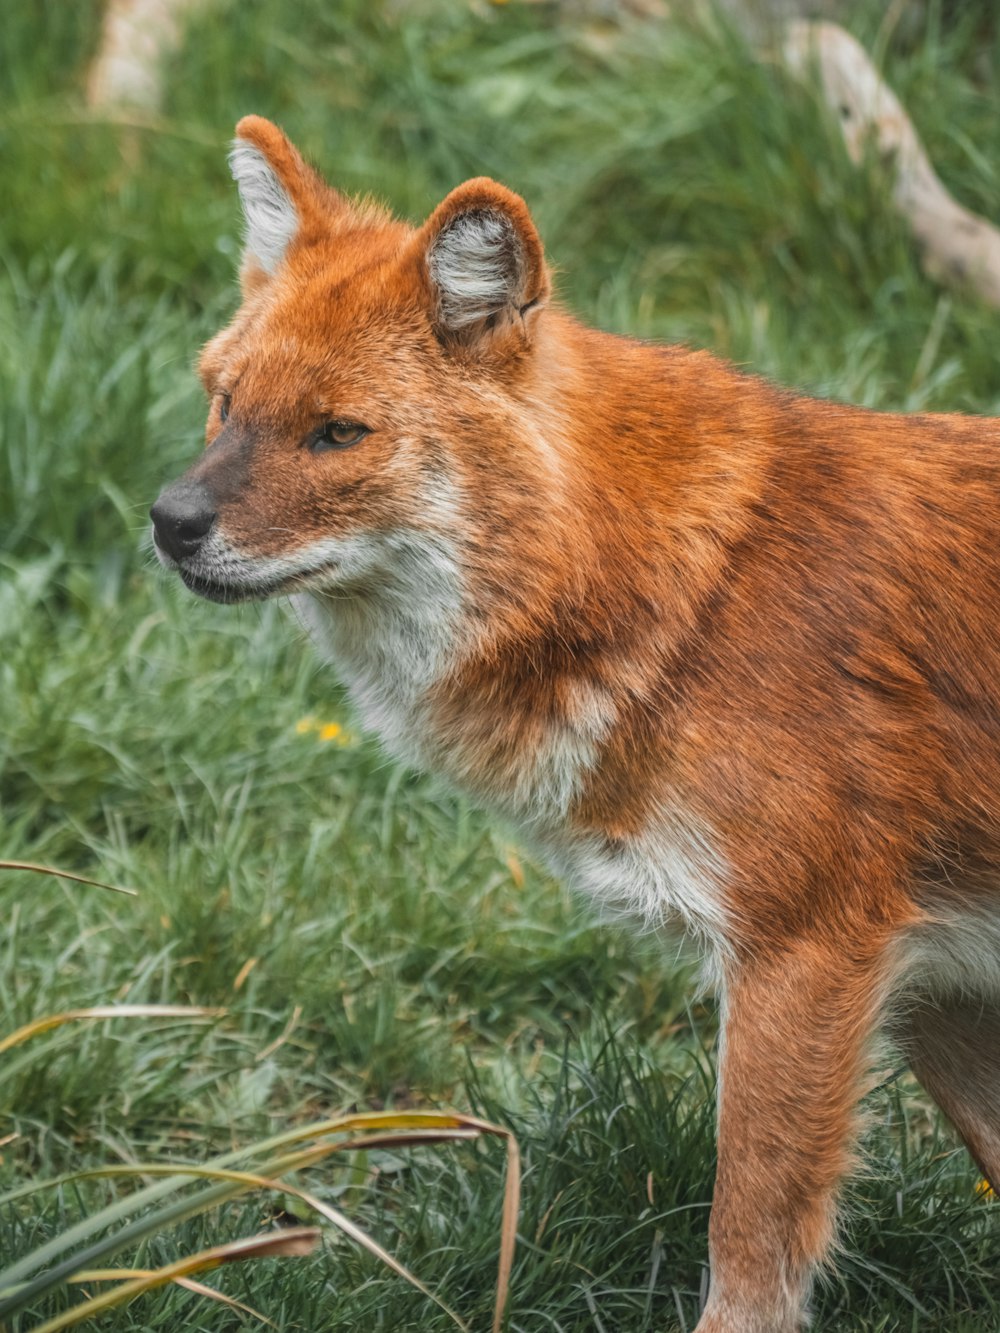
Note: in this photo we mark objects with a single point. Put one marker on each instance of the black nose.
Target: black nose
(182, 516)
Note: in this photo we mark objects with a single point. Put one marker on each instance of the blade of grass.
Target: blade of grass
(290, 1162)
(252, 1180)
(292, 1242)
(97, 1011)
(16, 1291)
(15, 1287)
(66, 874)
(508, 1229)
(189, 1284)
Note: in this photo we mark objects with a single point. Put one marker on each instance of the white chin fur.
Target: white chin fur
(328, 563)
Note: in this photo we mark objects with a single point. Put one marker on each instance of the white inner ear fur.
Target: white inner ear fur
(269, 212)
(477, 265)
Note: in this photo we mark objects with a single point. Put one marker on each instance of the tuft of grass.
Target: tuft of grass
(375, 942)
(68, 1259)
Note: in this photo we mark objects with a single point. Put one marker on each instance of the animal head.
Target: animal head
(375, 377)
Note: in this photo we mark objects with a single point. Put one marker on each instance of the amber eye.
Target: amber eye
(338, 435)
(223, 407)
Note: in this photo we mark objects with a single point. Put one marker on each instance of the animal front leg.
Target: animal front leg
(795, 1031)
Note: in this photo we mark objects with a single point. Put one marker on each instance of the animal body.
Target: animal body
(727, 656)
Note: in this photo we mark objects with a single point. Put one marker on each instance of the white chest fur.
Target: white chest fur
(668, 874)
(395, 638)
(955, 952)
(392, 635)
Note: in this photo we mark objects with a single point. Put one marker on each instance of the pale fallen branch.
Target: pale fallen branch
(136, 38)
(956, 244)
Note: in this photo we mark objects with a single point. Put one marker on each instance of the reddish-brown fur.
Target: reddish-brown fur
(775, 615)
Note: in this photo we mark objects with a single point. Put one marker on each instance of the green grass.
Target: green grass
(406, 953)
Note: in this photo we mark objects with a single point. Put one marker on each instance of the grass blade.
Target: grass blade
(66, 874)
(508, 1229)
(18, 1287)
(188, 1283)
(293, 1242)
(253, 1180)
(40, 1025)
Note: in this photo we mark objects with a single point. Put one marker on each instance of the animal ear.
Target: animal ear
(484, 262)
(283, 199)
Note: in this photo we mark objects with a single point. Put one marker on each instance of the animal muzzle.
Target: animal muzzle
(183, 517)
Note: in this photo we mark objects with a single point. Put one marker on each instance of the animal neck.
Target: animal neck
(570, 574)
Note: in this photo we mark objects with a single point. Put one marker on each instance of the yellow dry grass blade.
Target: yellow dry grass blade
(512, 1184)
(293, 1242)
(427, 1120)
(385, 1129)
(508, 1228)
(308, 1157)
(65, 874)
(40, 1025)
(188, 1283)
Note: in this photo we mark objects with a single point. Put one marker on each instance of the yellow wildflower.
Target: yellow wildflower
(324, 731)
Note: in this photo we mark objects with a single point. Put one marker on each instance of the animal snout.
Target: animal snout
(182, 518)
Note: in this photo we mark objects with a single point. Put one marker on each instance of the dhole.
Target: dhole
(727, 656)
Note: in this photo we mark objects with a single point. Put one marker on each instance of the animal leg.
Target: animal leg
(795, 1033)
(953, 1046)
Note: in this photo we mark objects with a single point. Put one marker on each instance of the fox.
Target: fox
(725, 656)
